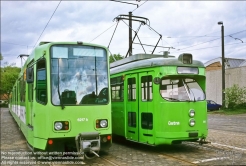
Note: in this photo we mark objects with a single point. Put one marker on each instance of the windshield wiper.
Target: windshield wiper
(58, 88)
(170, 98)
(188, 90)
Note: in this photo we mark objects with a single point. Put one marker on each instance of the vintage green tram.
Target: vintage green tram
(61, 100)
(159, 100)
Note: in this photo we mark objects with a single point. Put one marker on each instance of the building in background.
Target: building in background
(235, 73)
(4, 99)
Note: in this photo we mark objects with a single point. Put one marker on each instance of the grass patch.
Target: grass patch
(229, 111)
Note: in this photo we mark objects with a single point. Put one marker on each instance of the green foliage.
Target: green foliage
(9, 75)
(116, 57)
(227, 111)
(235, 97)
(1, 57)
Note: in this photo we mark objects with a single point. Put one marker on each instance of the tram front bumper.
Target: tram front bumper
(88, 142)
(171, 137)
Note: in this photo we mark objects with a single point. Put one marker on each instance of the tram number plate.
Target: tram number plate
(193, 134)
(82, 119)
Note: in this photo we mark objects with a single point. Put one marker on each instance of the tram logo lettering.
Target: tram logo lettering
(173, 123)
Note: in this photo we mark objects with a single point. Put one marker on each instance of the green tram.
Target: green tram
(61, 100)
(159, 100)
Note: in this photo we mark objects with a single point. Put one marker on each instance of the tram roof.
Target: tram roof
(139, 61)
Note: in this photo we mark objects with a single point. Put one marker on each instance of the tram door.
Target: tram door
(146, 107)
(131, 107)
(139, 107)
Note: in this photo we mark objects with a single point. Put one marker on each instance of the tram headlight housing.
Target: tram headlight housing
(101, 123)
(61, 125)
(192, 113)
(58, 125)
(192, 122)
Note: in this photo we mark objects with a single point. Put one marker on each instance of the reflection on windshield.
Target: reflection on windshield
(184, 89)
(79, 78)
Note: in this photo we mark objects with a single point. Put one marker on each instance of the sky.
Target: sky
(185, 26)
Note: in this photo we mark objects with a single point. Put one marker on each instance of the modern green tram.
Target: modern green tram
(159, 100)
(61, 100)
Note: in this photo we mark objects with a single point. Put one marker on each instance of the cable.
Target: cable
(139, 6)
(125, 2)
(103, 32)
(199, 43)
(17, 44)
(47, 23)
(210, 47)
(211, 40)
(236, 50)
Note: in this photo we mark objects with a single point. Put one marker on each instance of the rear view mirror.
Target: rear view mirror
(29, 75)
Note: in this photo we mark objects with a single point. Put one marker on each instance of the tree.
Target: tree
(1, 57)
(116, 57)
(9, 75)
(235, 96)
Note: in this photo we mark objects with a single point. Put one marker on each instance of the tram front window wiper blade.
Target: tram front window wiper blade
(170, 98)
(58, 88)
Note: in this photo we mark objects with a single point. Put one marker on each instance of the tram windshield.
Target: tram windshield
(79, 75)
(181, 89)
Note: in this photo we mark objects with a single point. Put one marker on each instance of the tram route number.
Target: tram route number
(82, 119)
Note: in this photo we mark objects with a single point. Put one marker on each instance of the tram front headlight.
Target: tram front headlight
(101, 123)
(192, 113)
(58, 125)
(192, 122)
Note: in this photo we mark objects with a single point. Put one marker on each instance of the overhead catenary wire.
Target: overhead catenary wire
(236, 50)
(17, 44)
(210, 47)
(209, 41)
(139, 6)
(115, 23)
(47, 23)
(103, 32)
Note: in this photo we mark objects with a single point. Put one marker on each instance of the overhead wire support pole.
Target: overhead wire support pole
(133, 37)
(223, 63)
(131, 18)
(130, 33)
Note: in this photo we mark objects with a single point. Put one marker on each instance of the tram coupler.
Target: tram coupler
(88, 143)
(202, 141)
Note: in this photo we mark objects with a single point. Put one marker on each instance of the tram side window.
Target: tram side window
(131, 89)
(146, 87)
(30, 92)
(41, 82)
(16, 94)
(132, 119)
(147, 121)
(22, 89)
(19, 93)
(117, 89)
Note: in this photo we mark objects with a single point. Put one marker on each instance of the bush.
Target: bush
(235, 97)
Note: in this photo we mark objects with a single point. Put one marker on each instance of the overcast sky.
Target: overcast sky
(186, 26)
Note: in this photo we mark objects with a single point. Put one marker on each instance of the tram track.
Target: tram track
(216, 146)
(178, 159)
(108, 161)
